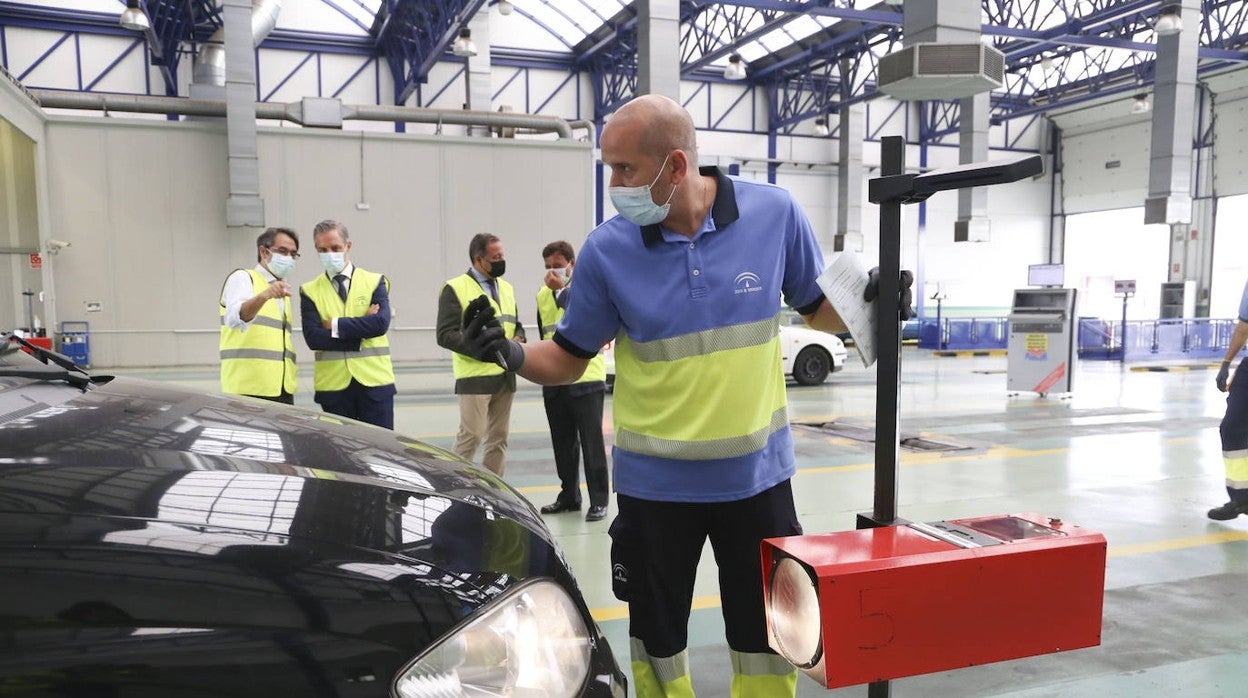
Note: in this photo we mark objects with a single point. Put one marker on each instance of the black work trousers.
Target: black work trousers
(655, 548)
(575, 418)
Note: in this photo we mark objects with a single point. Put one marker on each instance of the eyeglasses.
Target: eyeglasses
(283, 251)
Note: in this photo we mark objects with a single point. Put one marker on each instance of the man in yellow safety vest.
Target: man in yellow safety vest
(257, 356)
(485, 388)
(346, 314)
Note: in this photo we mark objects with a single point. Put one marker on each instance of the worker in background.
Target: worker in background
(485, 388)
(257, 356)
(1234, 427)
(346, 314)
(687, 280)
(574, 412)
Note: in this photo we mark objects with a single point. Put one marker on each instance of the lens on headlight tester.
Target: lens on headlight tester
(795, 618)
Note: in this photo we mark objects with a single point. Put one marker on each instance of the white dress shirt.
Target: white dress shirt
(239, 290)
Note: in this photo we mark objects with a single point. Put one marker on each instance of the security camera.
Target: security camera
(57, 245)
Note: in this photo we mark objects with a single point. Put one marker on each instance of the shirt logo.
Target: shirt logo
(747, 282)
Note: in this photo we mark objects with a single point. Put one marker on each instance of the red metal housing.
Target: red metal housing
(898, 601)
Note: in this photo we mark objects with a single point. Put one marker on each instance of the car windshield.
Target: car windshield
(789, 317)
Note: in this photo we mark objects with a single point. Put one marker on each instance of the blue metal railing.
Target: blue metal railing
(964, 333)
(1185, 338)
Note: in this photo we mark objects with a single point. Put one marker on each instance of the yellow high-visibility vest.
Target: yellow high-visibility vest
(260, 361)
(550, 313)
(466, 290)
(371, 364)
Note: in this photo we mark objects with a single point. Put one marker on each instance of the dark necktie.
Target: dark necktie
(340, 285)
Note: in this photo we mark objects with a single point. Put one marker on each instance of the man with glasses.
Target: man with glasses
(257, 357)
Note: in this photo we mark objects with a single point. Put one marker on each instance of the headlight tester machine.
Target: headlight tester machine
(896, 598)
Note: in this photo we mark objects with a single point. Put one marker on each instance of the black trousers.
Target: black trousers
(576, 429)
(655, 548)
(372, 405)
(1234, 433)
(285, 398)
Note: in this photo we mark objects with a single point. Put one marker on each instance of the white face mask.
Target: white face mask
(333, 262)
(280, 265)
(636, 204)
(562, 273)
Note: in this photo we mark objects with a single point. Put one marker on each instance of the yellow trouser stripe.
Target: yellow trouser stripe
(760, 664)
(660, 677)
(1236, 469)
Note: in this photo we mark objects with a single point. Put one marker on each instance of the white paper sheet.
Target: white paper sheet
(843, 282)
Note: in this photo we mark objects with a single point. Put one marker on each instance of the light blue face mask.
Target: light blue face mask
(280, 265)
(333, 262)
(636, 204)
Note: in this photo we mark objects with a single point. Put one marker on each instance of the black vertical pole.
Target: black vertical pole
(888, 366)
(888, 341)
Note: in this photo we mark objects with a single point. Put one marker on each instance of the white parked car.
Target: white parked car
(809, 356)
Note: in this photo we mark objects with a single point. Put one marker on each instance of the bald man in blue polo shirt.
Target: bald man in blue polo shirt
(687, 281)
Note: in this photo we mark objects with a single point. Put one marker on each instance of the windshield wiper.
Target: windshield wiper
(55, 366)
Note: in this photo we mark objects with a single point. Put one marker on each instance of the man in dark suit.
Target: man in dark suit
(346, 314)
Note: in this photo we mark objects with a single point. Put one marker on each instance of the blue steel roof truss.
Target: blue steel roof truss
(1094, 48)
(416, 33)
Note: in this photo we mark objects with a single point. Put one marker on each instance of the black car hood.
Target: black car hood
(135, 506)
(137, 425)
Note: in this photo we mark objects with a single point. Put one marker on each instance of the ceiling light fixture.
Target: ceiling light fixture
(1141, 105)
(133, 17)
(1046, 65)
(735, 69)
(463, 45)
(821, 126)
(1168, 21)
(504, 7)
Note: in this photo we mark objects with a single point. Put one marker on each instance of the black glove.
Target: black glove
(1223, 373)
(484, 339)
(904, 298)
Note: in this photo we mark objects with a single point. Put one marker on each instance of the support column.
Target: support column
(244, 207)
(849, 172)
(477, 85)
(1170, 163)
(972, 224)
(1204, 205)
(658, 48)
(1057, 206)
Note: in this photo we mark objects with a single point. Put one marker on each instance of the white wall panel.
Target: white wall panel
(21, 190)
(1231, 166)
(58, 70)
(143, 204)
(1091, 182)
(301, 78)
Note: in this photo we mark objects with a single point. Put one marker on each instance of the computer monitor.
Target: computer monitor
(1045, 274)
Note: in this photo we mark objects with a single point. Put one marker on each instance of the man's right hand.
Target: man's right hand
(279, 289)
(484, 338)
(1223, 374)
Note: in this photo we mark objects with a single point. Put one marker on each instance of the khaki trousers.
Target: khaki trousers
(484, 418)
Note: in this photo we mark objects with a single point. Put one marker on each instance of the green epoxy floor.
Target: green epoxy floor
(1133, 455)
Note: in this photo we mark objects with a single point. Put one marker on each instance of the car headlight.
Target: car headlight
(793, 611)
(531, 642)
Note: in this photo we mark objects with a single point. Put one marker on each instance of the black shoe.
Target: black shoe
(559, 507)
(597, 512)
(1228, 511)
